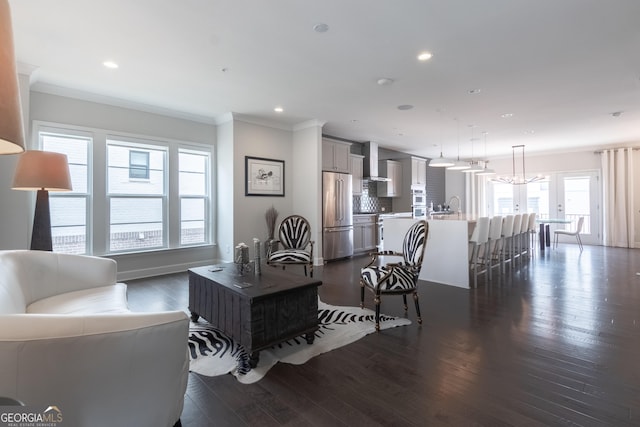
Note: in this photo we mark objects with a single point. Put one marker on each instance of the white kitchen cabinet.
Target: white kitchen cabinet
(335, 156)
(414, 172)
(357, 162)
(418, 171)
(364, 233)
(392, 170)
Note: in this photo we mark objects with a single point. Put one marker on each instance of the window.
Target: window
(193, 188)
(70, 210)
(130, 193)
(136, 207)
(138, 164)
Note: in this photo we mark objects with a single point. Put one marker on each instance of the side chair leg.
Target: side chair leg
(305, 270)
(361, 294)
(404, 299)
(377, 301)
(415, 299)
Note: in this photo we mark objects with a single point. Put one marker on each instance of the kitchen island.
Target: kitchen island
(446, 257)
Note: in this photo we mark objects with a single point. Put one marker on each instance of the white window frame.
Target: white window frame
(141, 145)
(97, 203)
(40, 130)
(207, 196)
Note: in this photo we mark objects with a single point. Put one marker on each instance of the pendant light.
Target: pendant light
(486, 170)
(475, 167)
(516, 178)
(459, 165)
(441, 162)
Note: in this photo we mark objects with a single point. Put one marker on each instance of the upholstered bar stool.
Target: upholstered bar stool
(522, 237)
(495, 242)
(479, 243)
(531, 234)
(507, 234)
(517, 222)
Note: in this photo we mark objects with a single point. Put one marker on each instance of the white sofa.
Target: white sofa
(68, 339)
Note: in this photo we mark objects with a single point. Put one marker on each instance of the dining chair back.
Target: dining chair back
(575, 233)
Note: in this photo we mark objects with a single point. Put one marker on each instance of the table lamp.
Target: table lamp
(43, 171)
(11, 131)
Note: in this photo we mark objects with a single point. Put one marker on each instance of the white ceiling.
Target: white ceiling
(561, 67)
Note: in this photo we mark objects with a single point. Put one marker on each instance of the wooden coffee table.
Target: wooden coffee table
(256, 311)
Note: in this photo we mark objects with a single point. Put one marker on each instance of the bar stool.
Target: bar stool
(523, 243)
(478, 242)
(507, 233)
(495, 242)
(517, 222)
(531, 234)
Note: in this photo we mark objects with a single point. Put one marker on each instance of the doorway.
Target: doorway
(563, 195)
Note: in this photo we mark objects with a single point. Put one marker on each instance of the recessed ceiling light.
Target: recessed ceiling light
(321, 28)
(278, 109)
(474, 91)
(405, 107)
(507, 115)
(384, 81)
(110, 64)
(425, 56)
(616, 114)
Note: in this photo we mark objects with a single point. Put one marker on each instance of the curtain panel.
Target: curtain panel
(617, 183)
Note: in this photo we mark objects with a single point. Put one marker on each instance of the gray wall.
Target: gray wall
(238, 217)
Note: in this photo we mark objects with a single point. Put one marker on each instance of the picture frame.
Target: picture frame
(263, 177)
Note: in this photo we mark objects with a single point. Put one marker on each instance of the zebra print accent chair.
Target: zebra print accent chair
(397, 278)
(294, 236)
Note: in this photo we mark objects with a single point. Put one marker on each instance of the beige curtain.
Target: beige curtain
(475, 194)
(617, 181)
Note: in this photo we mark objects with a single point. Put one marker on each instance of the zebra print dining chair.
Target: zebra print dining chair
(399, 278)
(294, 236)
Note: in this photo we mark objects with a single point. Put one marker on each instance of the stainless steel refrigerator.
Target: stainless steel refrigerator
(337, 215)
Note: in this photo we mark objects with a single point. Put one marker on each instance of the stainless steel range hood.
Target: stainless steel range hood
(370, 169)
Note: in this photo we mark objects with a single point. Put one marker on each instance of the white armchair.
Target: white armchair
(67, 339)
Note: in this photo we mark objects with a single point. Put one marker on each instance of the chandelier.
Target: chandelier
(518, 178)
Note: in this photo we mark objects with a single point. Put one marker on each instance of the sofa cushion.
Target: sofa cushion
(104, 299)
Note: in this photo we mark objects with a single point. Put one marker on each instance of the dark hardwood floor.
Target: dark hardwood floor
(556, 343)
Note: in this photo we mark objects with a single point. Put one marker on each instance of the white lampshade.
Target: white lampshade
(486, 171)
(38, 170)
(475, 167)
(11, 130)
(441, 162)
(459, 165)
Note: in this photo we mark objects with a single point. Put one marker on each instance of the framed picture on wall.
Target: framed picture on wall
(263, 177)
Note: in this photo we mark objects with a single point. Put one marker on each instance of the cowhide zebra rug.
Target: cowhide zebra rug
(213, 353)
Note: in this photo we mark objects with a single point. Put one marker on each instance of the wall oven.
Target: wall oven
(418, 195)
(419, 211)
(418, 201)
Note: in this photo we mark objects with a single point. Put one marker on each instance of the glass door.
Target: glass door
(566, 195)
(578, 196)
